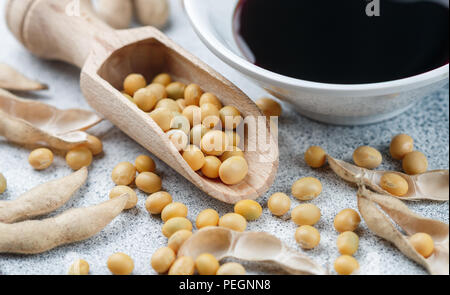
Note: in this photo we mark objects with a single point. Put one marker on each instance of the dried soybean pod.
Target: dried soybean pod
(11, 79)
(385, 214)
(31, 122)
(249, 246)
(431, 185)
(116, 13)
(38, 236)
(42, 199)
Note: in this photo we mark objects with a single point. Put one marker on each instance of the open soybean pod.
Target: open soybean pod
(432, 185)
(249, 246)
(31, 122)
(384, 214)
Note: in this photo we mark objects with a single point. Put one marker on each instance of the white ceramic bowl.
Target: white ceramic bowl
(330, 103)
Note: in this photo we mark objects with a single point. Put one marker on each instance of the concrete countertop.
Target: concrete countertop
(139, 235)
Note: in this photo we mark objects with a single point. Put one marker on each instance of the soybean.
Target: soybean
(208, 217)
(178, 138)
(233, 221)
(174, 210)
(415, 163)
(279, 204)
(210, 98)
(307, 188)
(79, 268)
(423, 243)
(194, 157)
(94, 144)
(177, 239)
(163, 79)
(175, 224)
(193, 114)
(346, 265)
(41, 159)
(306, 214)
(183, 266)
(347, 243)
(145, 99)
(307, 237)
(231, 117)
(367, 157)
(123, 174)
(156, 202)
(210, 115)
(148, 182)
(163, 259)
(78, 158)
(175, 90)
(347, 220)
(206, 264)
(231, 268)
(144, 164)
(269, 107)
(133, 83)
(401, 145)
(158, 90)
(211, 167)
(394, 184)
(235, 152)
(120, 264)
(233, 170)
(163, 117)
(214, 143)
(192, 94)
(315, 157)
(169, 104)
(250, 209)
(180, 123)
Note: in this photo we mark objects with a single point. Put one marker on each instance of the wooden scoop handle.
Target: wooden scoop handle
(56, 29)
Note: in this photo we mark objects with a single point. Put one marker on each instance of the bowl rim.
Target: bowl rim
(250, 69)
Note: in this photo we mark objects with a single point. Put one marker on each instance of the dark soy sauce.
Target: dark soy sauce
(334, 41)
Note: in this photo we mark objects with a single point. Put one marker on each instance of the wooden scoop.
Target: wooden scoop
(58, 30)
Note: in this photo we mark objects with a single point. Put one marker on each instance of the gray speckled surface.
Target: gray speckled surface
(138, 234)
